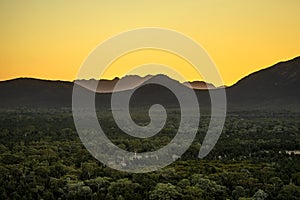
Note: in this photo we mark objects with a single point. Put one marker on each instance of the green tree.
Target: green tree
(260, 195)
(124, 188)
(192, 193)
(238, 192)
(290, 191)
(164, 191)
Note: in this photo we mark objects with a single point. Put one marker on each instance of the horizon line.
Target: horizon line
(190, 81)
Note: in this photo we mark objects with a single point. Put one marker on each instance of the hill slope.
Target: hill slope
(276, 85)
(28, 92)
(273, 87)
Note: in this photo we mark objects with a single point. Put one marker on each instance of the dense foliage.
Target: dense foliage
(41, 157)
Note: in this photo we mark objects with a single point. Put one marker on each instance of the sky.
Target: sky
(50, 39)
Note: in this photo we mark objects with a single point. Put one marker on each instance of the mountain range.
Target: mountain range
(275, 87)
(133, 81)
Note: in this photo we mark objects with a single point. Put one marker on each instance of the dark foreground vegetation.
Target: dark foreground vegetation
(257, 157)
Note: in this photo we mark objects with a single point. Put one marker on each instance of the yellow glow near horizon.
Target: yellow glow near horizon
(50, 39)
(150, 58)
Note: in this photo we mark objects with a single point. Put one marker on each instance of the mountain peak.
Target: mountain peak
(129, 82)
(276, 86)
(199, 85)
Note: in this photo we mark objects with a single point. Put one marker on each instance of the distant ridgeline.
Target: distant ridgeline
(276, 87)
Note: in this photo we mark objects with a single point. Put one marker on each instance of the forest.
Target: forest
(257, 157)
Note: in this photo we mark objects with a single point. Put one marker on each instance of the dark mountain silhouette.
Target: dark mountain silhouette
(150, 93)
(277, 85)
(29, 92)
(273, 87)
(106, 86)
(199, 85)
(132, 81)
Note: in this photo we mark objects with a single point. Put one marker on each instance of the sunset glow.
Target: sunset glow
(50, 39)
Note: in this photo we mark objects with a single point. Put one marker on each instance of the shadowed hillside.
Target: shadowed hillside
(277, 85)
(273, 87)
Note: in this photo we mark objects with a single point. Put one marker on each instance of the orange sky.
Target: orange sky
(50, 39)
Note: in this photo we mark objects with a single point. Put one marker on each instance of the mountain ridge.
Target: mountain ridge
(275, 86)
